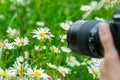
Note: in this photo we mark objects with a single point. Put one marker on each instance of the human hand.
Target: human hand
(110, 67)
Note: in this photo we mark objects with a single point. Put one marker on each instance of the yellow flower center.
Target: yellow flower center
(87, 62)
(42, 34)
(30, 75)
(71, 61)
(37, 74)
(20, 43)
(4, 74)
(1, 44)
(95, 73)
(55, 49)
(20, 70)
(63, 71)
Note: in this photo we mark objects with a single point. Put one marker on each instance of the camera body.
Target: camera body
(83, 36)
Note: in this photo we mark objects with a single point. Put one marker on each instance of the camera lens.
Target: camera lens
(83, 38)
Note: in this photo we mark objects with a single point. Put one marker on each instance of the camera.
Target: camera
(83, 36)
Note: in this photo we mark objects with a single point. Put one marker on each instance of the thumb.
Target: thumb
(107, 40)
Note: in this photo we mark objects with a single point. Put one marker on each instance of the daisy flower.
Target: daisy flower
(20, 59)
(9, 46)
(21, 41)
(1, 44)
(12, 32)
(55, 49)
(85, 8)
(94, 4)
(37, 48)
(95, 71)
(52, 66)
(66, 25)
(65, 49)
(20, 67)
(72, 61)
(63, 37)
(40, 23)
(42, 33)
(38, 73)
(3, 73)
(64, 70)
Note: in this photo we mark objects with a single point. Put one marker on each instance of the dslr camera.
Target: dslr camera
(83, 36)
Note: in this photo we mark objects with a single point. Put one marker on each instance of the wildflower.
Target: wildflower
(40, 23)
(38, 73)
(3, 73)
(63, 70)
(63, 37)
(20, 67)
(51, 66)
(42, 33)
(12, 32)
(66, 25)
(100, 19)
(12, 72)
(20, 59)
(85, 8)
(1, 44)
(9, 46)
(95, 71)
(39, 48)
(72, 61)
(21, 41)
(55, 49)
(94, 4)
(65, 49)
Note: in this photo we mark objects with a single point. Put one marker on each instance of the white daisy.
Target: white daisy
(38, 73)
(64, 70)
(94, 4)
(65, 49)
(40, 23)
(95, 71)
(20, 59)
(42, 33)
(51, 65)
(20, 67)
(21, 41)
(39, 48)
(55, 49)
(1, 44)
(9, 46)
(12, 32)
(63, 37)
(72, 61)
(65, 26)
(85, 8)
(4, 73)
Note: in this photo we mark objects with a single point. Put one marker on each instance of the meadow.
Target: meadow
(33, 42)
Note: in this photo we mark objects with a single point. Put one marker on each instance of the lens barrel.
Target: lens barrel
(83, 38)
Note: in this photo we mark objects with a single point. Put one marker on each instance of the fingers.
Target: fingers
(107, 41)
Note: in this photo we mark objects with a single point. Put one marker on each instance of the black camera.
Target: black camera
(83, 36)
